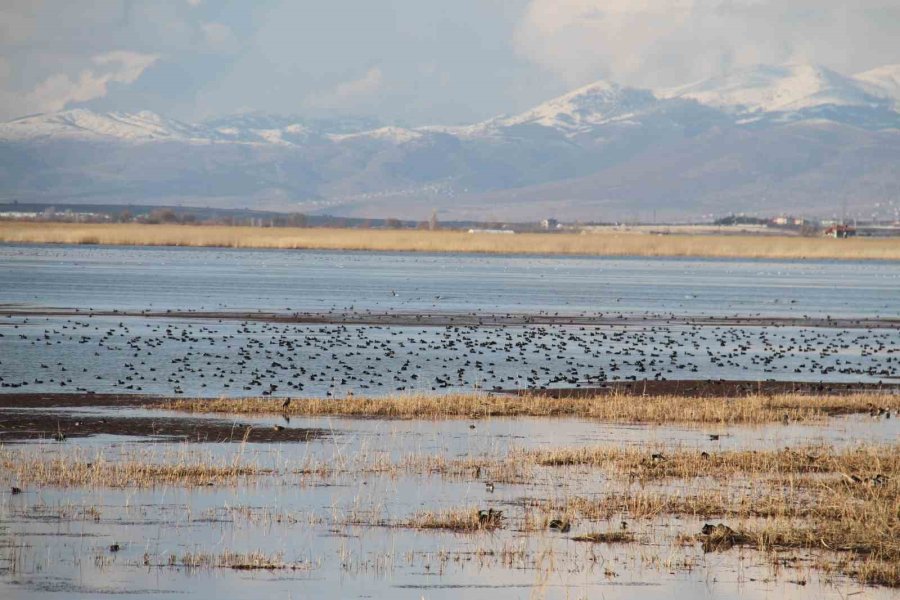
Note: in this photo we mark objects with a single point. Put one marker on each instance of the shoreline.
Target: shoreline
(49, 416)
(610, 244)
(465, 319)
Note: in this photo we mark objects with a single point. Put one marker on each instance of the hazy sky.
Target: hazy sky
(407, 61)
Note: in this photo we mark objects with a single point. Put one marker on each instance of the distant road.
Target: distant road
(405, 240)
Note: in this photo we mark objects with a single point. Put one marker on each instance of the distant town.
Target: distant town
(784, 224)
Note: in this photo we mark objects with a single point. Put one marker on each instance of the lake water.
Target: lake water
(345, 531)
(214, 279)
(213, 357)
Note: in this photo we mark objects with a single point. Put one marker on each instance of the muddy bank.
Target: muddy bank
(460, 319)
(37, 416)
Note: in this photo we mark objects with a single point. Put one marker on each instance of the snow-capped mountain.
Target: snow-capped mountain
(789, 137)
(883, 81)
(81, 123)
(587, 107)
(779, 89)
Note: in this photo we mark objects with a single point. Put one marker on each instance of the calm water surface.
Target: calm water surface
(210, 279)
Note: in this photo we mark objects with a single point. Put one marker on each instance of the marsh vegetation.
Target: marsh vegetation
(592, 244)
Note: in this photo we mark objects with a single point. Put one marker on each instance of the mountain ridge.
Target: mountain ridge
(364, 168)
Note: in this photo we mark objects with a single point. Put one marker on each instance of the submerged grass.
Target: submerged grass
(599, 244)
(844, 504)
(613, 408)
(250, 561)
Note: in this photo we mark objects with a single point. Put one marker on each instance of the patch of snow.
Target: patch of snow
(595, 104)
(884, 81)
(777, 89)
(397, 135)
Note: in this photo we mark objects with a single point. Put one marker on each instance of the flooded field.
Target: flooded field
(741, 489)
(358, 511)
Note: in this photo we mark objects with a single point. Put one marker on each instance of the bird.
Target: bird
(561, 525)
(15, 490)
(286, 403)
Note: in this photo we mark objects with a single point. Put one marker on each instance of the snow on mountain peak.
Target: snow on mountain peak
(82, 123)
(397, 135)
(885, 80)
(766, 88)
(783, 91)
(594, 104)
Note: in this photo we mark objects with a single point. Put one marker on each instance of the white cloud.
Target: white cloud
(348, 94)
(667, 42)
(59, 90)
(218, 37)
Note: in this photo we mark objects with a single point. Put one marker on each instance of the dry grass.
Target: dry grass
(251, 561)
(846, 504)
(599, 244)
(615, 408)
(641, 463)
(76, 469)
(456, 519)
(605, 537)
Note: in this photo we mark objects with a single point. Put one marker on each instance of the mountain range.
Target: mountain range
(769, 139)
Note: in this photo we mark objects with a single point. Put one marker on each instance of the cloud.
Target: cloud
(219, 37)
(667, 42)
(348, 94)
(59, 90)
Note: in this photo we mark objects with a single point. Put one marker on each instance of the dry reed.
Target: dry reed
(599, 244)
(614, 408)
(864, 463)
(605, 537)
(76, 469)
(250, 561)
(456, 519)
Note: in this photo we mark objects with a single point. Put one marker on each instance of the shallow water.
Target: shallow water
(55, 542)
(343, 528)
(214, 279)
(211, 358)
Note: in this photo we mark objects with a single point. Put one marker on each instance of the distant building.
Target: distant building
(788, 221)
(500, 231)
(549, 224)
(840, 231)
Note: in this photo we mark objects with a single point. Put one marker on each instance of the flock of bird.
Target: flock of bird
(244, 358)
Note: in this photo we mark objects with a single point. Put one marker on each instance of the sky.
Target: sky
(409, 62)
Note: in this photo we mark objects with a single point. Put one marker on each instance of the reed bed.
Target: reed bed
(754, 409)
(76, 469)
(864, 463)
(605, 537)
(844, 503)
(854, 519)
(597, 244)
(455, 519)
(250, 561)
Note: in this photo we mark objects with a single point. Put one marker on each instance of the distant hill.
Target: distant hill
(787, 138)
